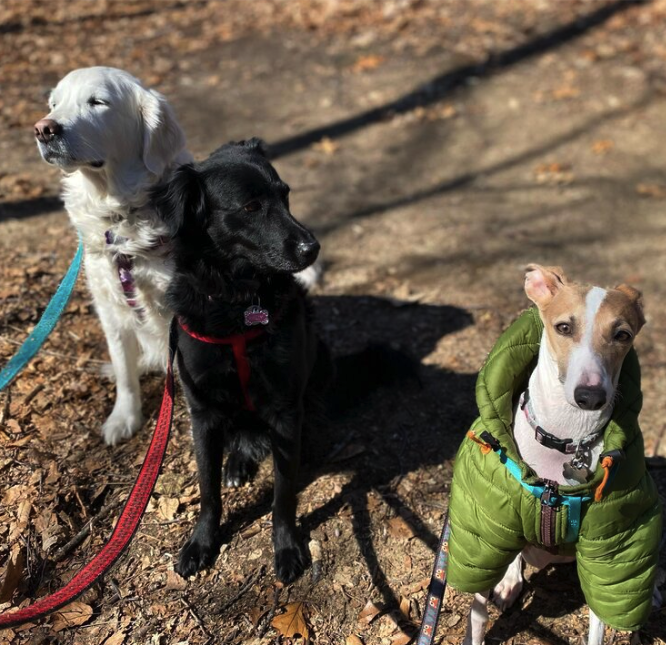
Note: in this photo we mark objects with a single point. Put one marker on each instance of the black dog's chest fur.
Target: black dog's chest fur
(209, 371)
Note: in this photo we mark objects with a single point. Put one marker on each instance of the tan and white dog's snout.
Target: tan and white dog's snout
(589, 331)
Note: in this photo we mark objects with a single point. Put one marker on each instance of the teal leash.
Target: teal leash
(47, 322)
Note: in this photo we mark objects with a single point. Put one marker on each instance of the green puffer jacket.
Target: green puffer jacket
(493, 517)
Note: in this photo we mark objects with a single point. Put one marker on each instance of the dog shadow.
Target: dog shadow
(551, 593)
(397, 430)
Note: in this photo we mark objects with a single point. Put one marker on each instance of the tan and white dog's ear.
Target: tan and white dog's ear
(163, 138)
(542, 283)
(636, 298)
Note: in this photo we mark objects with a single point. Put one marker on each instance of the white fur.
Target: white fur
(118, 140)
(585, 367)
(137, 140)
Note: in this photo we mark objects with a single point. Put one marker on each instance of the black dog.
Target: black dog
(248, 357)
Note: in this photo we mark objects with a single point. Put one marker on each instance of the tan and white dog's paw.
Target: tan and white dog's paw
(122, 423)
(508, 589)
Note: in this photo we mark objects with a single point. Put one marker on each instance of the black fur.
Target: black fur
(236, 244)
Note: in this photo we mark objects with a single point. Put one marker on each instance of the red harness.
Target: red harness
(238, 344)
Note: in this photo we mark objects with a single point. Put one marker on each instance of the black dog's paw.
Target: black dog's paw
(291, 562)
(195, 556)
(239, 470)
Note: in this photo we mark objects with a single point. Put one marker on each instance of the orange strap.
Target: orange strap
(485, 447)
(606, 464)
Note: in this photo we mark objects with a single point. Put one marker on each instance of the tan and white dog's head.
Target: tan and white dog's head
(588, 330)
(101, 117)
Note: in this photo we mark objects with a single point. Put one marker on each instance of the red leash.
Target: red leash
(129, 519)
(238, 344)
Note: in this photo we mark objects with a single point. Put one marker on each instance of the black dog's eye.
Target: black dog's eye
(253, 206)
(622, 336)
(564, 329)
(95, 101)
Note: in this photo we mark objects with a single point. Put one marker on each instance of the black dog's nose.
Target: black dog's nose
(46, 129)
(590, 398)
(308, 251)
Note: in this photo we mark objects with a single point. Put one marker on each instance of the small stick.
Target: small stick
(249, 581)
(271, 613)
(63, 552)
(32, 394)
(196, 617)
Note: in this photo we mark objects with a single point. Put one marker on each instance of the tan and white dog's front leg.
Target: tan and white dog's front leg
(596, 632)
(478, 620)
(508, 589)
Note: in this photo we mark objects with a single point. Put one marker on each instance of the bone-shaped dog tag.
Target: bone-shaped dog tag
(579, 475)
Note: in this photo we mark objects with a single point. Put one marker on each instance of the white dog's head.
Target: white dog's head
(104, 119)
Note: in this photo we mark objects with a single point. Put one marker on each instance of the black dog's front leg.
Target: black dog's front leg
(203, 546)
(291, 557)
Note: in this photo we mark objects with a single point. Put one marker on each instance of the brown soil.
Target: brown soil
(436, 149)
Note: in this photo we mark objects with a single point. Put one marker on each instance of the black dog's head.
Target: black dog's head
(231, 211)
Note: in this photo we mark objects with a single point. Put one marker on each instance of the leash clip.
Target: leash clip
(550, 496)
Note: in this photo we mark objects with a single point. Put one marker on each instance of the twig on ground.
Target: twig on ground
(196, 617)
(271, 613)
(63, 552)
(32, 394)
(249, 581)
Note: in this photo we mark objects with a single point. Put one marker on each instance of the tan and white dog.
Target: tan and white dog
(114, 139)
(588, 332)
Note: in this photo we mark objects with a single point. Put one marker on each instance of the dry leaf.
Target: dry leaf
(651, 190)
(167, 507)
(353, 640)
(368, 62)
(327, 146)
(602, 146)
(292, 622)
(401, 639)
(454, 620)
(76, 613)
(174, 581)
(116, 639)
(398, 528)
(369, 613)
(405, 607)
(13, 576)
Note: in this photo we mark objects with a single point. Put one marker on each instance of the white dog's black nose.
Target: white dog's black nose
(46, 129)
(308, 251)
(590, 398)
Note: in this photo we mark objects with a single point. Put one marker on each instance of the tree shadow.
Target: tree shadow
(442, 85)
(29, 207)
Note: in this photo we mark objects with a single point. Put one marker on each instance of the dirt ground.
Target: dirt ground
(435, 148)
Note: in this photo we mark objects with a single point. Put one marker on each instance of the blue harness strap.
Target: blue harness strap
(574, 503)
(46, 323)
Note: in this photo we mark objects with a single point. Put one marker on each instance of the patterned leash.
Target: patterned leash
(436, 589)
(46, 323)
(129, 519)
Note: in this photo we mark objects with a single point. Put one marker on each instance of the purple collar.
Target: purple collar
(125, 264)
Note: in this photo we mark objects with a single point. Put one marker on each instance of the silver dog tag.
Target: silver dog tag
(577, 473)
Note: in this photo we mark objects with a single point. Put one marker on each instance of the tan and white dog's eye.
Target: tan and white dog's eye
(564, 329)
(622, 336)
(93, 101)
(252, 207)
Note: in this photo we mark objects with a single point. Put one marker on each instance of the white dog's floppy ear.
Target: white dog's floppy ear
(163, 138)
(542, 283)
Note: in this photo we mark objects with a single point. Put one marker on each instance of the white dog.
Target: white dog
(114, 139)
